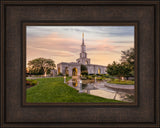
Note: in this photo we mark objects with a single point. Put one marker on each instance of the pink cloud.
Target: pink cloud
(54, 42)
(60, 49)
(108, 45)
(103, 45)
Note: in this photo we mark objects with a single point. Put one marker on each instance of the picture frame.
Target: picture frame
(16, 14)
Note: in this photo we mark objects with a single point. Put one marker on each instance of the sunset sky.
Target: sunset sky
(63, 43)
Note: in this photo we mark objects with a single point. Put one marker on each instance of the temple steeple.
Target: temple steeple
(83, 46)
(83, 55)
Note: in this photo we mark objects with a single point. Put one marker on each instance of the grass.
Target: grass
(53, 90)
(124, 82)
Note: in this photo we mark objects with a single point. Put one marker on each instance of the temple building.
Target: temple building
(74, 68)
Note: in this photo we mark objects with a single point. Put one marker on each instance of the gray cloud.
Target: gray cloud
(105, 31)
(123, 41)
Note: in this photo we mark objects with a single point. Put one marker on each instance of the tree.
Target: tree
(84, 70)
(111, 69)
(127, 70)
(41, 64)
(36, 71)
(119, 70)
(115, 69)
(128, 57)
(126, 67)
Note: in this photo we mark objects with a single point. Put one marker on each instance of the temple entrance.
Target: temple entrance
(99, 71)
(66, 71)
(74, 72)
(58, 70)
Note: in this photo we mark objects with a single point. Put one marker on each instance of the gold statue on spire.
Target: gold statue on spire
(83, 35)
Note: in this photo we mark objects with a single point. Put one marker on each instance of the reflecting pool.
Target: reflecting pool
(102, 89)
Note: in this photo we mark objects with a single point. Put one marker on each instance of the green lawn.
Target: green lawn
(53, 90)
(125, 82)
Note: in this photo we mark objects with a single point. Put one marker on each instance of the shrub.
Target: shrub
(60, 74)
(112, 78)
(94, 75)
(27, 82)
(34, 82)
(84, 73)
(106, 75)
(31, 82)
(99, 78)
(89, 77)
(116, 80)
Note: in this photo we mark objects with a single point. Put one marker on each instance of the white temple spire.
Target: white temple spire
(83, 55)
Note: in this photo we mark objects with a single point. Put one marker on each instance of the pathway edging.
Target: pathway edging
(120, 86)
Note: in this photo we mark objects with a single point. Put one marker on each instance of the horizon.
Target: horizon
(63, 43)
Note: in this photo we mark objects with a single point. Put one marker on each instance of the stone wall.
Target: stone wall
(92, 69)
(70, 67)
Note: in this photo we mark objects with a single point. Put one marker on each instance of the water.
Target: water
(99, 88)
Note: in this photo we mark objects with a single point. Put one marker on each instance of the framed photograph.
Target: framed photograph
(79, 64)
(103, 72)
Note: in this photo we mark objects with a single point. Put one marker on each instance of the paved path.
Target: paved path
(105, 94)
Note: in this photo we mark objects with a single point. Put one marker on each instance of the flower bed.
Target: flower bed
(30, 83)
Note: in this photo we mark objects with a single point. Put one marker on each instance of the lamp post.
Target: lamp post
(64, 79)
(80, 83)
(122, 78)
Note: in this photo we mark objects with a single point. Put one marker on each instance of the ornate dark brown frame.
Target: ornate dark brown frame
(7, 118)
